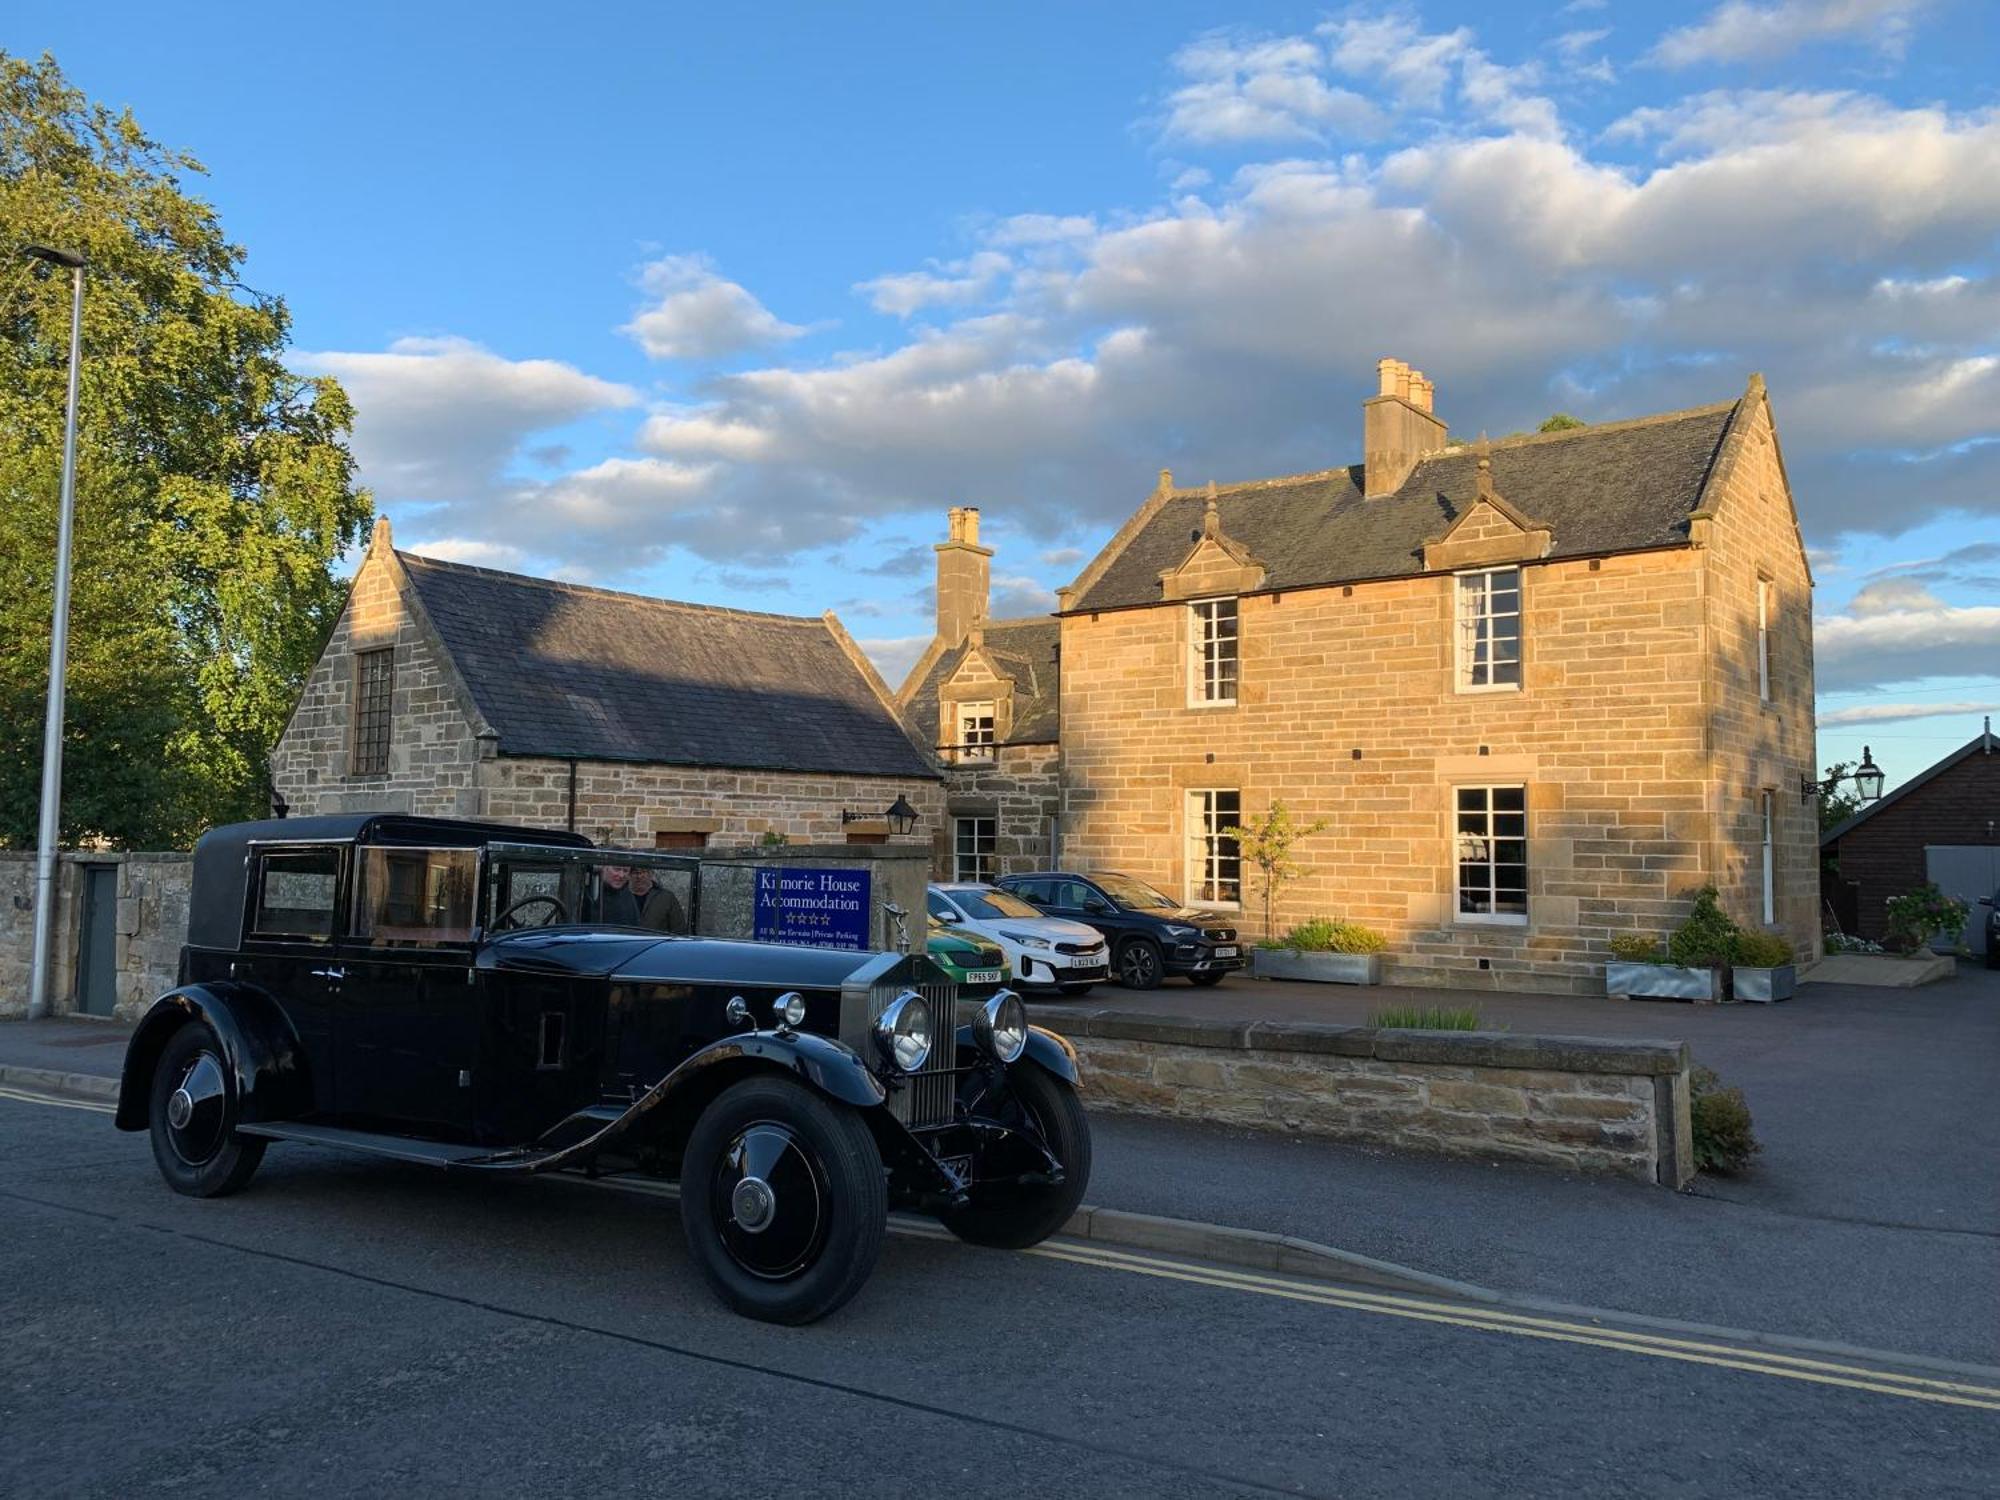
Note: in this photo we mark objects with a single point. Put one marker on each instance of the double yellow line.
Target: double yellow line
(1524, 1325)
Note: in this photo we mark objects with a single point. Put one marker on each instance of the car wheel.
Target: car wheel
(783, 1200)
(1015, 1217)
(192, 1112)
(1140, 965)
(1205, 980)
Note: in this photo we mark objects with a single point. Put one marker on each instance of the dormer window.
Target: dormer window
(1212, 658)
(975, 730)
(1489, 630)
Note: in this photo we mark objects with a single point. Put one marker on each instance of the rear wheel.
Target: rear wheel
(192, 1112)
(783, 1200)
(1140, 965)
(1013, 1217)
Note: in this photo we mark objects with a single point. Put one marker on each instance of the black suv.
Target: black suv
(1151, 934)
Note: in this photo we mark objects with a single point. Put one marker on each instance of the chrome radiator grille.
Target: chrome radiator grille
(928, 1097)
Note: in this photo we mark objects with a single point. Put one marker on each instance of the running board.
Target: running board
(396, 1147)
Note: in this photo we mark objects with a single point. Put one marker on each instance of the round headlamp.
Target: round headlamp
(789, 1009)
(903, 1031)
(1001, 1027)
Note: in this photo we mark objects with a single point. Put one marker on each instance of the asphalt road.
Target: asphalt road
(352, 1327)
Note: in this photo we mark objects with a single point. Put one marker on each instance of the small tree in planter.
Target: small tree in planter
(1267, 844)
(1324, 949)
(1692, 964)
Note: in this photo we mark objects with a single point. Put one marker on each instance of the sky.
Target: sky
(731, 303)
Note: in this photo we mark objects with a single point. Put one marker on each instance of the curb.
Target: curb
(93, 1086)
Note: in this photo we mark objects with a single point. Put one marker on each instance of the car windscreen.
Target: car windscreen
(992, 905)
(1135, 894)
(550, 887)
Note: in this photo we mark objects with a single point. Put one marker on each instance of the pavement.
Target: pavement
(352, 1326)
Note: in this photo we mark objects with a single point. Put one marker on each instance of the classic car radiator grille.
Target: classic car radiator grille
(929, 1097)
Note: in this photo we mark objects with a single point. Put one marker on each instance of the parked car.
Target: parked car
(1152, 935)
(1046, 953)
(977, 966)
(1992, 905)
(446, 993)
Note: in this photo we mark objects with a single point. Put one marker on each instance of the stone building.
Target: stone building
(1541, 688)
(983, 699)
(462, 691)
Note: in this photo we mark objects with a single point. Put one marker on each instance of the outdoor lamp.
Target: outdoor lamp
(903, 817)
(1868, 778)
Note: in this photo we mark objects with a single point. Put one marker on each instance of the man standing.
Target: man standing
(657, 908)
(618, 906)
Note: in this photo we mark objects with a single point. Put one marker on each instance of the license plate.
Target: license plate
(1228, 952)
(982, 976)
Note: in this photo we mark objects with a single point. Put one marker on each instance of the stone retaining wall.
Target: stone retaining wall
(151, 926)
(1576, 1102)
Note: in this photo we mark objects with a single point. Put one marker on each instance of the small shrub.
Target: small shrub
(1331, 935)
(1723, 1139)
(1427, 1018)
(1840, 942)
(1637, 948)
(772, 839)
(1762, 950)
(1915, 917)
(1707, 937)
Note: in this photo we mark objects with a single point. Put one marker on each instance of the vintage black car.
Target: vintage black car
(451, 993)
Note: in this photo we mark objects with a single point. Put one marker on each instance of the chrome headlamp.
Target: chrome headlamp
(789, 1009)
(903, 1031)
(1001, 1026)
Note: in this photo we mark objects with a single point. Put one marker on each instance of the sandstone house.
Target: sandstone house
(464, 692)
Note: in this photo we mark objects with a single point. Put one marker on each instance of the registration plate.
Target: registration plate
(982, 976)
(1228, 952)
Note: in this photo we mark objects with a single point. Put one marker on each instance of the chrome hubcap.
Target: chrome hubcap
(180, 1109)
(197, 1111)
(771, 1202)
(753, 1205)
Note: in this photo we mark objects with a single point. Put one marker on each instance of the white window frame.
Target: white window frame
(1203, 846)
(1764, 640)
(1463, 628)
(1768, 810)
(1458, 861)
(966, 867)
(1206, 640)
(970, 748)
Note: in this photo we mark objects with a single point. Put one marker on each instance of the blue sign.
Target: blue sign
(813, 908)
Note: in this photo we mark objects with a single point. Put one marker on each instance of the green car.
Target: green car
(975, 965)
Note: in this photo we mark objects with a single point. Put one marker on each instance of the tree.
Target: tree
(1561, 421)
(1267, 844)
(215, 489)
(1842, 801)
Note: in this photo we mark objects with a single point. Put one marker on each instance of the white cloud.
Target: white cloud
(440, 419)
(1243, 89)
(1040, 229)
(1892, 713)
(1890, 595)
(1018, 594)
(1063, 557)
(894, 655)
(1740, 31)
(955, 282)
(697, 314)
(1905, 645)
(465, 549)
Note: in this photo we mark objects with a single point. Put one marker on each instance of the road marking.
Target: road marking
(1480, 1319)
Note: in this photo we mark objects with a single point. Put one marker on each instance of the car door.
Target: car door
(1083, 902)
(291, 928)
(408, 1018)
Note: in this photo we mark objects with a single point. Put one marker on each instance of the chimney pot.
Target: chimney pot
(1398, 428)
(964, 574)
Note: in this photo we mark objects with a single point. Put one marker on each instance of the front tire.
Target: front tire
(783, 1200)
(1140, 966)
(1013, 1218)
(193, 1115)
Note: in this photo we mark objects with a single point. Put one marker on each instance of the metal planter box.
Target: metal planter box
(1762, 986)
(1661, 982)
(1321, 968)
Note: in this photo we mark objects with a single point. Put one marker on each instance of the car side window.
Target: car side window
(1036, 891)
(295, 893)
(1073, 895)
(940, 908)
(415, 897)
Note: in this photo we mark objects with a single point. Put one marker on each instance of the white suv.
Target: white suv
(1045, 952)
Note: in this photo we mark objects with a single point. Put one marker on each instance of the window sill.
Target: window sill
(1474, 919)
(1208, 704)
(1469, 690)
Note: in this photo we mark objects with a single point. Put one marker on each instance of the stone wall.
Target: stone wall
(1573, 1102)
(1021, 790)
(151, 923)
(897, 874)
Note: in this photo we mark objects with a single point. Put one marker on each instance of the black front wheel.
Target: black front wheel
(784, 1201)
(1140, 965)
(1015, 1216)
(192, 1112)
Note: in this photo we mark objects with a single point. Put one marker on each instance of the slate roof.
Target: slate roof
(1621, 487)
(1025, 650)
(580, 673)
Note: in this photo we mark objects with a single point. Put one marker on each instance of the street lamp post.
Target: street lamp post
(1867, 778)
(49, 833)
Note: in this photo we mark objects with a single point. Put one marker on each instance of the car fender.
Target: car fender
(1046, 1049)
(261, 1053)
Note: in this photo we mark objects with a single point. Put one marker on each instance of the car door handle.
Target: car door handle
(336, 973)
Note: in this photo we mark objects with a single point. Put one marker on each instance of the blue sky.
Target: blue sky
(729, 303)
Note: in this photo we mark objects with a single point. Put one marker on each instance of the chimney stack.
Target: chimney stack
(1398, 428)
(964, 573)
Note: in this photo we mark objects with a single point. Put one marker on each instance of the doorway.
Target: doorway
(97, 946)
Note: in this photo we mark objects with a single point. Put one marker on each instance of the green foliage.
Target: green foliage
(1843, 801)
(1637, 948)
(1761, 950)
(1840, 942)
(1723, 1138)
(1267, 844)
(1707, 937)
(1561, 421)
(772, 839)
(1427, 1018)
(1332, 935)
(1915, 917)
(214, 487)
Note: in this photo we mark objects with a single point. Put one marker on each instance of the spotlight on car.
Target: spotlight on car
(1001, 1027)
(903, 1031)
(789, 1009)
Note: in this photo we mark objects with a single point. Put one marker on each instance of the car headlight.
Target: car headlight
(1027, 940)
(903, 1031)
(1001, 1027)
(1175, 930)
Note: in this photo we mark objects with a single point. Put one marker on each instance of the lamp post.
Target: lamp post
(49, 831)
(1867, 778)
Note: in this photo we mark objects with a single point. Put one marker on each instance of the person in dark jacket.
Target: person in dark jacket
(656, 905)
(618, 905)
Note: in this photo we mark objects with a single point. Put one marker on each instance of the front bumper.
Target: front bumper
(1206, 958)
(1046, 970)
